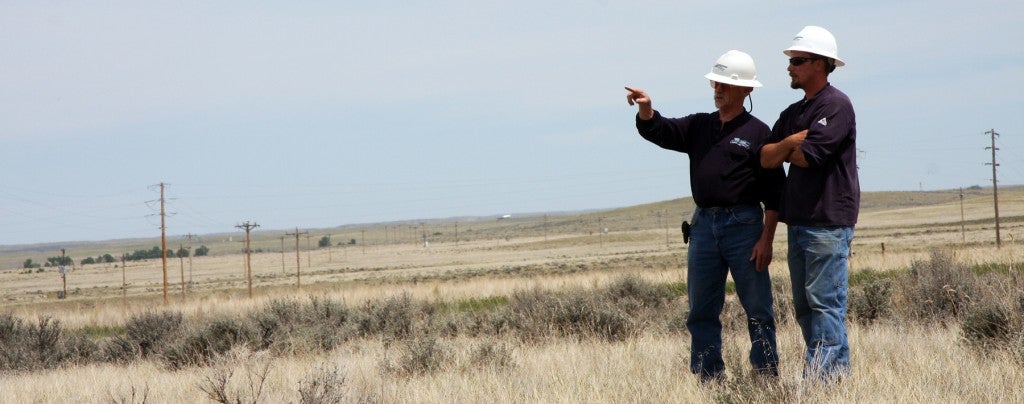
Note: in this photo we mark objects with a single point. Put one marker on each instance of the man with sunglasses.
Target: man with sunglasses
(817, 136)
(730, 231)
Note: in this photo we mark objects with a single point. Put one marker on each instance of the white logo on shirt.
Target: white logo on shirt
(740, 142)
(823, 122)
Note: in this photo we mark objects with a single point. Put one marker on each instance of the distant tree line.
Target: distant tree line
(156, 252)
(138, 255)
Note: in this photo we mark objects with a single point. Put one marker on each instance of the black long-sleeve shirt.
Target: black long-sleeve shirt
(725, 168)
(827, 193)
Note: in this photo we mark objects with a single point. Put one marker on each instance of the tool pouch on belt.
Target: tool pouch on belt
(686, 232)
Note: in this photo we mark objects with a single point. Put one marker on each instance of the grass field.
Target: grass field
(480, 263)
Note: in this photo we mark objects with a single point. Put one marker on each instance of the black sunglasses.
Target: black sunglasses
(797, 60)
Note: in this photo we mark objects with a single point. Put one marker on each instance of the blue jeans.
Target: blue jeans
(818, 269)
(721, 241)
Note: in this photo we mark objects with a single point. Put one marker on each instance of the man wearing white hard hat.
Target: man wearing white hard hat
(731, 232)
(818, 137)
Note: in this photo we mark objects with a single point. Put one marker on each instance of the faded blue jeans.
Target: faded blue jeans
(818, 268)
(721, 241)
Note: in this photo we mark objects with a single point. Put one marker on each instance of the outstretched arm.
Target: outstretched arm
(640, 98)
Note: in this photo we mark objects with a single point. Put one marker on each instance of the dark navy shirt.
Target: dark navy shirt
(827, 193)
(725, 167)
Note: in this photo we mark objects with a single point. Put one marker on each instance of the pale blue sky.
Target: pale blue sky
(326, 113)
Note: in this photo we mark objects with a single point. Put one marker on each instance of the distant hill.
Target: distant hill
(657, 215)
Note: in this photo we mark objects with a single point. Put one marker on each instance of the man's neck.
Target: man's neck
(726, 115)
(813, 90)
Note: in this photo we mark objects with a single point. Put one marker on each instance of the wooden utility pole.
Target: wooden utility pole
(181, 268)
(189, 249)
(248, 252)
(995, 185)
(298, 259)
(963, 233)
(124, 280)
(283, 271)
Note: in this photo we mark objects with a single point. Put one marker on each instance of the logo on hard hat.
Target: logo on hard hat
(719, 66)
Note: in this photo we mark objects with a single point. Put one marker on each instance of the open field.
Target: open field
(476, 259)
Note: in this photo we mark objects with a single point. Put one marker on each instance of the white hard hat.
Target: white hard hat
(735, 68)
(816, 40)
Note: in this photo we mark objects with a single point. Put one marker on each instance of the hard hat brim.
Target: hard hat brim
(789, 52)
(734, 82)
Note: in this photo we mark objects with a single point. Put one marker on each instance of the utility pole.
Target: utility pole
(283, 271)
(124, 283)
(298, 259)
(248, 252)
(163, 240)
(189, 248)
(963, 234)
(995, 185)
(63, 274)
(181, 267)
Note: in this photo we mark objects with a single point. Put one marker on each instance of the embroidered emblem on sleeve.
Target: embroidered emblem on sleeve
(823, 122)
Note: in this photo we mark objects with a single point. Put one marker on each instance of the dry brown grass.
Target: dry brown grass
(496, 258)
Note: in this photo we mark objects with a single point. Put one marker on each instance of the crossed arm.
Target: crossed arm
(788, 149)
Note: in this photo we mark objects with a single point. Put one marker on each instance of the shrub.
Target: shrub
(322, 386)
(419, 356)
(491, 354)
(871, 301)
(939, 289)
(578, 314)
(986, 326)
(639, 289)
(150, 330)
(289, 327)
(38, 345)
(218, 377)
(204, 343)
(120, 349)
(392, 318)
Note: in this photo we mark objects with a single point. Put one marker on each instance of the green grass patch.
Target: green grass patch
(677, 289)
(868, 276)
(1003, 269)
(474, 305)
(96, 332)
